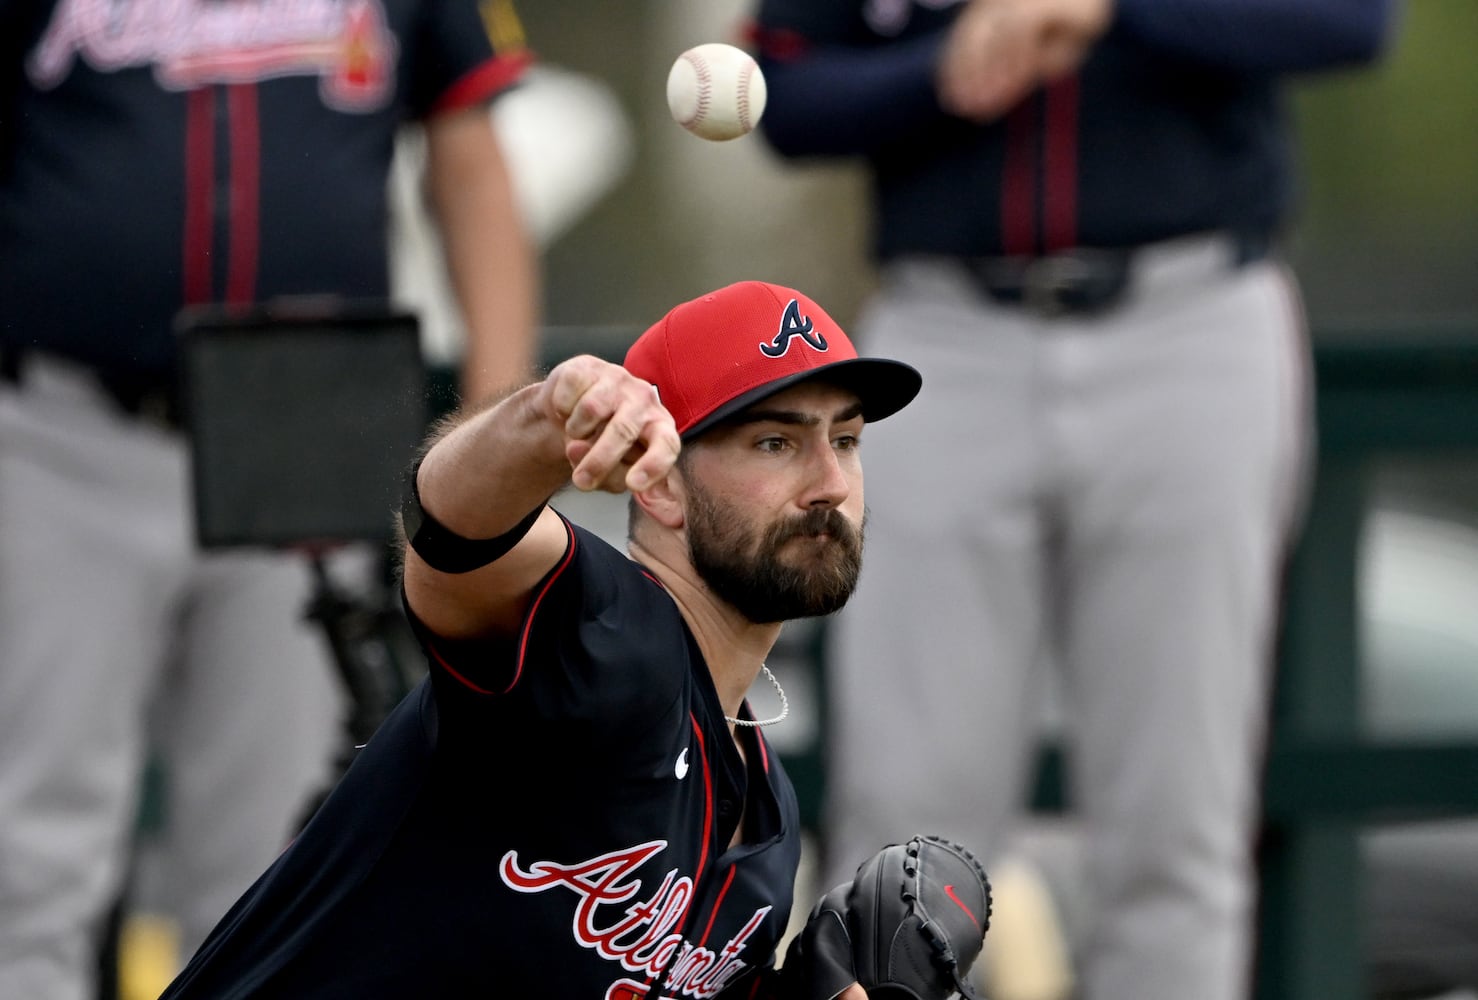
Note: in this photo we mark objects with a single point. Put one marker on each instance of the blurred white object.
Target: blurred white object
(1419, 626)
(1419, 651)
(1026, 953)
(567, 142)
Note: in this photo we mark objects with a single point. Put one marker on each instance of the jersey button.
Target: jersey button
(726, 808)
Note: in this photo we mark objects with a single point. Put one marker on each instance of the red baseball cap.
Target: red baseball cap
(719, 353)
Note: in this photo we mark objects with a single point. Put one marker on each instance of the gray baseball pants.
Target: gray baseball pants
(1111, 493)
(108, 615)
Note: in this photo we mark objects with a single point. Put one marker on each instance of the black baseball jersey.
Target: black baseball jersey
(160, 154)
(546, 818)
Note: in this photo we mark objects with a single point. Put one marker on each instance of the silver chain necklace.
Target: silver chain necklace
(784, 705)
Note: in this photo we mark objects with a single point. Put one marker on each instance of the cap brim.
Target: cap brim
(884, 386)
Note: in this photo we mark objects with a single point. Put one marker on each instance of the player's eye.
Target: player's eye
(846, 442)
(772, 444)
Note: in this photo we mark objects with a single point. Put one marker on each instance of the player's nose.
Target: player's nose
(828, 483)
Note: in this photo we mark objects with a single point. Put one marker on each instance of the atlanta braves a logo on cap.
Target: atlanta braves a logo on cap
(793, 324)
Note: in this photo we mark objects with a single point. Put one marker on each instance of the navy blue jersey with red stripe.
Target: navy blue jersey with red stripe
(157, 154)
(548, 818)
(1174, 124)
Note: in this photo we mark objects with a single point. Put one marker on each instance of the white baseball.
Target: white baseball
(716, 91)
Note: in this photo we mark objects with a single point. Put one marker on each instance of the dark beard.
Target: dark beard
(749, 573)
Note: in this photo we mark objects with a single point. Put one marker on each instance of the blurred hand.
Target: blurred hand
(1001, 50)
(618, 436)
(853, 992)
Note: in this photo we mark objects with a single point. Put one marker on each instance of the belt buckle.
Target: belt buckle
(1047, 283)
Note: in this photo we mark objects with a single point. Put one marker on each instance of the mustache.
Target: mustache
(817, 521)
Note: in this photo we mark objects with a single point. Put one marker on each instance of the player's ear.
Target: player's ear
(663, 501)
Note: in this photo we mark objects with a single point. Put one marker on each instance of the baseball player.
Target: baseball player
(578, 801)
(1077, 210)
(153, 156)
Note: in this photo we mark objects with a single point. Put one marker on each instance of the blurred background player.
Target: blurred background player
(1077, 210)
(155, 157)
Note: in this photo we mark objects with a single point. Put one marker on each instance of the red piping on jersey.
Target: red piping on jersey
(448, 668)
(523, 641)
(199, 194)
(764, 753)
(528, 621)
(246, 166)
(717, 904)
(1018, 180)
(707, 801)
(484, 81)
(1060, 169)
(707, 833)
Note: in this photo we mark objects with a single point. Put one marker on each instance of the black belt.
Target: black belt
(150, 396)
(1083, 280)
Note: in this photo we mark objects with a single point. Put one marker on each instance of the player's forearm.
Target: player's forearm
(1271, 36)
(834, 101)
(479, 482)
(485, 474)
(591, 422)
(491, 261)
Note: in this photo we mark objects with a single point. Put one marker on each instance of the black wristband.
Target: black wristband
(442, 548)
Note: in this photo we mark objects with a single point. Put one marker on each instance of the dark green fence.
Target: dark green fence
(1411, 393)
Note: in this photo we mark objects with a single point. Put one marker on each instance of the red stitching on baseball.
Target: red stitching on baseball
(744, 121)
(705, 86)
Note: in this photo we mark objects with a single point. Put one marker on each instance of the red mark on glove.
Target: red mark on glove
(949, 891)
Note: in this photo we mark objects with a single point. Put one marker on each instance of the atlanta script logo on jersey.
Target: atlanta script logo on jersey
(642, 937)
(192, 43)
(793, 324)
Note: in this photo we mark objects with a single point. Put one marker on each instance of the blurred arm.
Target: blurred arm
(1263, 36)
(833, 101)
(490, 259)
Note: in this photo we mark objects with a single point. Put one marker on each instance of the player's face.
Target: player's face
(774, 518)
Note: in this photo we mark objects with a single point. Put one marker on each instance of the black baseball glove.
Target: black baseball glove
(907, 927)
